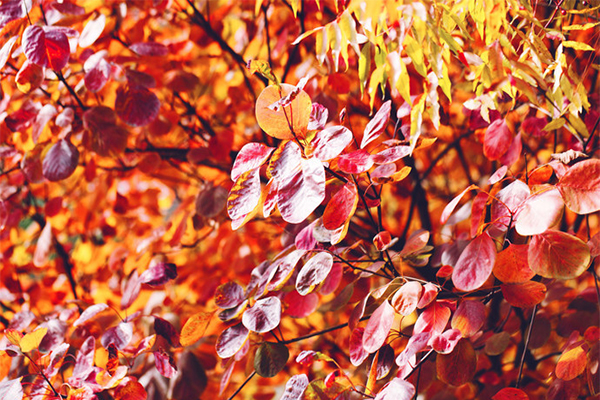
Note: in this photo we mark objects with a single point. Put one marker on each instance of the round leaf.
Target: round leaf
(539, 212)
(341, 206)
(301, 193)
(231, 340)
(277, 122)
(511, 264)
(330, 142)
(60, 161)
(571, 364)
(270, 358)
(378, 327)
(458, 367)
(264, 316)
(555, 254)
(475, 264)
(137, 106)
(580, 187)
(314, 272)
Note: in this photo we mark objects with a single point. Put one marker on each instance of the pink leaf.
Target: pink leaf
(314, 272)
(497, 139)
(89, 313)
(264, 316)
(391, 155)
(378, 327)
(84, 362)
(46, 49)
(534, 126)
(498, 175)
(43, 246)
(294, 387)
(299, 306)
(433, 319)
(250, 157)
(60, 161)
(131, 290)
(341, 207)
(446, 342)
(244, 195)
(513, 153)
(11, 389)
(285, 162)
(119, 335)
(41, 120)
(406, 298)
(165, 364)
(475, 264)
(159, 274)
(507, 202)
(358, 354)
(333, 280)
(283, 270)
(231, 340)
(396, 389)
(452, 205)
(377, 124)
(318, 117)
(97, 71)
(300, 194)
(229, 295)
(6, 51)
(330, 142)
(430, 292)
(92, 31)
(357, 162)
(539, 212)
(149, 49)
(580, 187)
(137, 106)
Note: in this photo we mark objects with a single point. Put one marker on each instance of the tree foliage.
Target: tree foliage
(294, 199)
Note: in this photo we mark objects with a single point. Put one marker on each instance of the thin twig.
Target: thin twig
(243, 384)
(526, 345)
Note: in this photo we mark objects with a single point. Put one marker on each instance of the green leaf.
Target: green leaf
(270, 358)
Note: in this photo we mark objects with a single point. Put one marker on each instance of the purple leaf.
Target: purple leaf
(231, 340)
(264, 316)
(137, 106)
(119, 335)
(41, 120)
(314, 272)
(149, 49)
(165, 364)
(9, 11)
(295, 387)
(211, 201)
(97, 71)
(47, 49)
(300, 194)
(131, 290)
(165, 329)
(60, 161)
(90, 312)
(84, 362)
(159, 274)
(318, 117)
(229, 295)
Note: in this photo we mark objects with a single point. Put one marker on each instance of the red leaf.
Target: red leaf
(524, 294)
(571, 364)
(229, 295)
(46, 49)
(60, 161)
(165, 364)
(555, 254)
(580, 187)
(430, 292)
(139, 80)
(166, 330)
(475, 264)
(358, 354)
(314, 272)
(244, 195)
(84, 362)
(446, 342)
(9, 11)
(300, 194)
(433, 319)
(357, 162)
(149, 49)
(131, 290)
(534, 126)
(299, 306)
(330, 142)
(294, 387)
(377, 124)
(159, 274)
(378, 327)
(137, 106)
(231, 340)
(406, 298)
(391, 155)
(250, 157)
(539, 212)
(333, 280)
(513, 153)
(497, 139)
(458, 367)
(264, 315)
(396, 389)
(469, 317)
(511, 264)
(498, 175)
(341, 206)
(68, 8)
(510, 394)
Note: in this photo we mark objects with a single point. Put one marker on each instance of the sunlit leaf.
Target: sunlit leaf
(396, 389)
(330, 142)
(580, 187)
(377, 124)
(119, 335)
(165, 364)
(294, 387)
(46, 48)
(194, 328)
(300, 194)
(314, 272)
(31, 341)
(475, 263)
(497, 139)
(341, 207)
(539, 212)
(264, 315)
(92, 31)
(159, 274)
(469, 317)
(433, 318)
(406, 298)
(277, 123)
(153, 49)
(358, 354)
(89, 313)
(511, 264)
(357, 162)
(250, 157)
(524, 294)
(510, 394)
(244, 195)
(231, 340)
(378, 327)
(571, 364)
(556, 254)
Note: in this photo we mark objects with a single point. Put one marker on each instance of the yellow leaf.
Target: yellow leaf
(583, 27)
(555, 124)
(577, 45)
(415, 52)
(32, 340)
(194, 328)
(294, 7)
(426, 142)
(403, 173)
(13, 336)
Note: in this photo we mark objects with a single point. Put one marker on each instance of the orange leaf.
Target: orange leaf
(524, 294)
(510, 394)
(194, 328)
(511, 264)
(458, 367)
(277, 122)
(571, 364)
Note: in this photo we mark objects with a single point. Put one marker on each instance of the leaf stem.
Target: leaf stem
(526, 346)
(242, 386)
(70, 89)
